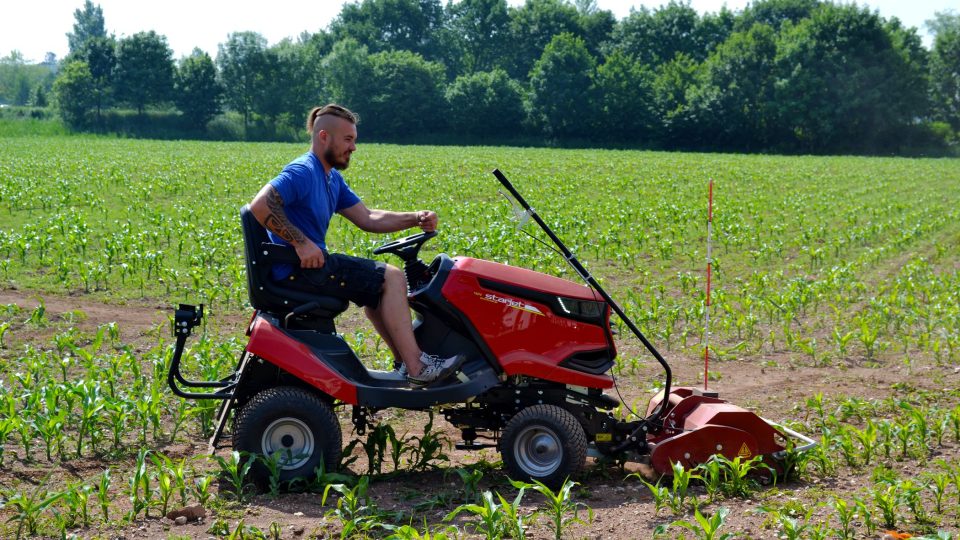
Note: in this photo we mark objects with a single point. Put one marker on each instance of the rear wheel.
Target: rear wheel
(294, 422)
(544, 443)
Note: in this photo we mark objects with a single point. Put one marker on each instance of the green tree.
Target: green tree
(73, 92)
(144, 73)
(21, 91)
(844, 84)
(532, 26)
(945, 68)
(39, 98)
(671, 85)
(348, 75)
(89, 24)
(407, 95)
(775, 13)
(488, 104)
(624, 90)
(477, 30)
(18, 78)
(560, 84)
(197, 92)
(292, 82)
(732, 102)
(388, 25)
(100, 54)
(656, 37)
(241, 61)
(596, 25)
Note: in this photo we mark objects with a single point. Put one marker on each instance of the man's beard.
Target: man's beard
(339, 164)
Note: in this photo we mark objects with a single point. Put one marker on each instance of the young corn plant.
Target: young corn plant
(75, 498)
(408, 532)
(28, 508)
(845, 515)
(235, 470)
(865, 512)
(141, 494)
(681, 484)
(920, 426)
(560, 506)
(910, 493)
(4, 328)
(375, 447)
(272, 463)
(939, 482)
(167, 480)
(660, 494)
(517, 521)
(705, 528)
(848, 449)
(886, 500)
(795, 462)
(492, 522)
(712, 478)
(737, 474)
(428, 450)
(356, 514)
(795, 523)
(471, 483)
(103, 494)
(201, 488)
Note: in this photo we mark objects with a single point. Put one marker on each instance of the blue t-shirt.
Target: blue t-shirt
(310, 199)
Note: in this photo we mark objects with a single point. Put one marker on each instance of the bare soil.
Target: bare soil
(776, 386)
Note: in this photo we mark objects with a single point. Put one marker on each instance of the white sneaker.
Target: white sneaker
(435, 368)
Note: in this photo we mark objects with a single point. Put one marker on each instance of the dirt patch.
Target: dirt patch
(776, 385)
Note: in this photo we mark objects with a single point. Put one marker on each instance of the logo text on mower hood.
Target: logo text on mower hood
(510, 302)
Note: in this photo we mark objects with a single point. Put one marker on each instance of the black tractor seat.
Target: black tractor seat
(300, 308)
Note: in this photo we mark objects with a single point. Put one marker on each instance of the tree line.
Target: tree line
(805, 76)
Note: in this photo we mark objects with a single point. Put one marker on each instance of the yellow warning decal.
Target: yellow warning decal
(744, 452)
(604, 437)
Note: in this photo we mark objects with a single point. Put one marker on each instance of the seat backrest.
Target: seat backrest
(266, 294)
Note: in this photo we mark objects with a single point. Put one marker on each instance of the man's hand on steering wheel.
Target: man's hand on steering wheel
(427, 220)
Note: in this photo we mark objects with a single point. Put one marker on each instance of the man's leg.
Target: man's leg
(376, 317)
(392, 320)
(369, 283)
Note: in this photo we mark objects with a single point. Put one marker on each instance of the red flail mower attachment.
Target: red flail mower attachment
(697, 424)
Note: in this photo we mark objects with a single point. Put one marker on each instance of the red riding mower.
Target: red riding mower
(538, 349)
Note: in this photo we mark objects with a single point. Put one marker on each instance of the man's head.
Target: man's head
(334, 134)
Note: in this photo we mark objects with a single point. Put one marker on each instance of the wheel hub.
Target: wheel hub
(538, 451)
(292, 438)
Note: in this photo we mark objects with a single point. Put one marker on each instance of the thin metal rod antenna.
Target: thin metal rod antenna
(657, 414)
(706, 323)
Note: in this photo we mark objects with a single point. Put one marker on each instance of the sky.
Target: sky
(35, 27)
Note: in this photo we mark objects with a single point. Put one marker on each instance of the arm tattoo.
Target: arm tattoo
(277, 220)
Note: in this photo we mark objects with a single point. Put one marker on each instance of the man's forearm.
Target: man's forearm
(387, 221)
(268, 209)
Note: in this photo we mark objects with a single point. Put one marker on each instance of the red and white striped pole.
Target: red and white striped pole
(706, 324)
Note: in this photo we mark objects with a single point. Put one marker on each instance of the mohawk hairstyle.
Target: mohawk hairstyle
(331, 109)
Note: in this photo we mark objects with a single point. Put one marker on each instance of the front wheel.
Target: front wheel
(543, 443)
(294, 422)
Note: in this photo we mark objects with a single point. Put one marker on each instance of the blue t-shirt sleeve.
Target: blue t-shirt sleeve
(347, 197)
(292, 183)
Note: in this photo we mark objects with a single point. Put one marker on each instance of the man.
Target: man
(296, 208)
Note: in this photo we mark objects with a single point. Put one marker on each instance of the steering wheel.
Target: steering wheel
(403, 246)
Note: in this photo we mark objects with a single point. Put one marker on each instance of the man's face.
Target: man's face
(341, 141)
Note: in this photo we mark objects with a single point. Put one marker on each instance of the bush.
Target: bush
(486, 103)
(226, 127)
(20, 121)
